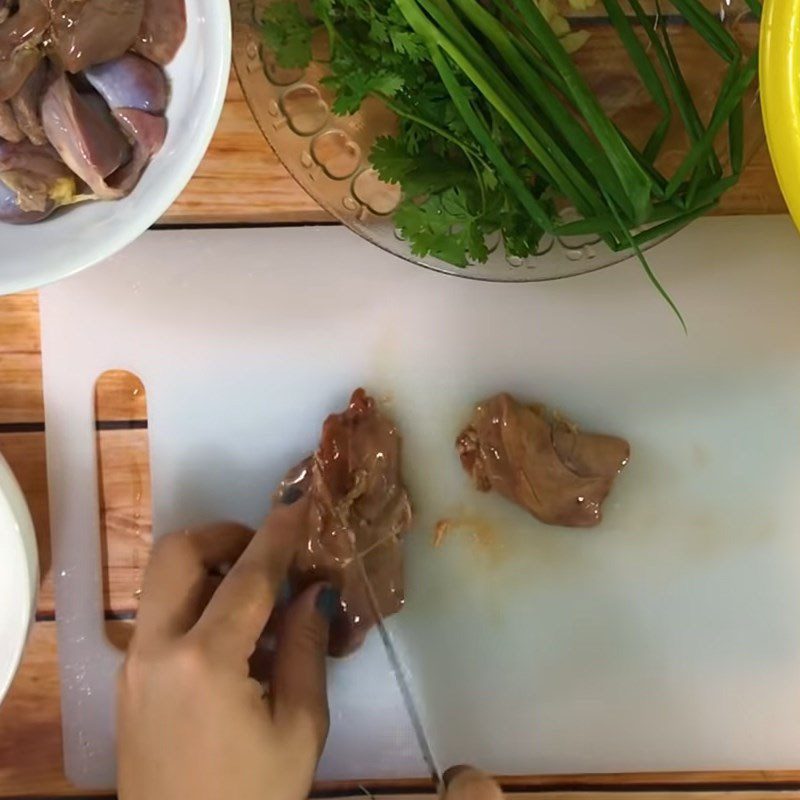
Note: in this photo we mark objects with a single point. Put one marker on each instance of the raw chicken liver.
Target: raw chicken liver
(89, 32)
(541, 462)
(105, 124)
(163, 30)
(358, 514)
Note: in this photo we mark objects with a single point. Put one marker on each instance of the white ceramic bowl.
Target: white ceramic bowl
(76, 238)
(19, 575)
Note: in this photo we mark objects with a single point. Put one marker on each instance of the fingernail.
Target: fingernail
(291, 494)
(329, 602)
(284, 594)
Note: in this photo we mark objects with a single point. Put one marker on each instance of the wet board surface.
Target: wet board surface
(666, 639)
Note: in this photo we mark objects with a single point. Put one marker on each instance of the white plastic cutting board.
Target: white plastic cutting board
(667, 639)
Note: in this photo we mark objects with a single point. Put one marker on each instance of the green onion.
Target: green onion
(630, 173)
(709, 27)
(725, 106)
(563, 122)
(496, 90)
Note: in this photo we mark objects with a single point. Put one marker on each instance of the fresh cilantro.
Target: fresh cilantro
(378, 30)
(391, 159)
(408, 44)
(287, 33)
(521, 236)
(420, 174)
(445, 226)
(353, 87)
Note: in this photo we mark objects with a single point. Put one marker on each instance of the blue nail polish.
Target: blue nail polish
(329, 603)
(284, 594)
(291, 494)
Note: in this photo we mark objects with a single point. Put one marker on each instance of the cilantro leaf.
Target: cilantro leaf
(408, 44)
(391, 159)
(444, 226)
(287, 33)
(420, 173)
(352, 87)
(378, 30)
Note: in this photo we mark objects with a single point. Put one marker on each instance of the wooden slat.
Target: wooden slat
(119, 397)
(757, 192)
(125, 510)
(19, 323)
(30, 722)
(126, 517)
(240, 179)
(611, 795)
(650, 7)
(21, 388)
(731, 783)
(125, 498)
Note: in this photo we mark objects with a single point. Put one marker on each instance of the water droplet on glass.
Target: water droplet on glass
(277, 75)
(350, 204)
(493, 241)
(568, 215)
(573, 255)
(379, 197)
(306, 160)
(305, 109)
(336, 153)
(545, 245)
(320, 45)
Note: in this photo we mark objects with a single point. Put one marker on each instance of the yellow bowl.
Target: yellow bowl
(779, 80)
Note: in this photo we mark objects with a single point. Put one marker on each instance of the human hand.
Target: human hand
(191, 721)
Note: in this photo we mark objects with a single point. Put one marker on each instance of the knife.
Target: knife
(403, 684)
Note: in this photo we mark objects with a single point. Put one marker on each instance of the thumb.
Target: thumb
(300, 696)
(468, 783)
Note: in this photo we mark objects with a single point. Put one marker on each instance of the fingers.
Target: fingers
(468, 783)
(240, 608)
(299, 690)
(174, 590)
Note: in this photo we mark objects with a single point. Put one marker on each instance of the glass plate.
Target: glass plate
(328, 155)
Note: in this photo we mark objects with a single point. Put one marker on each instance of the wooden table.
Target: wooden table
(240, 182)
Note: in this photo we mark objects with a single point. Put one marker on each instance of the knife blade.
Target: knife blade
(403, 683)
